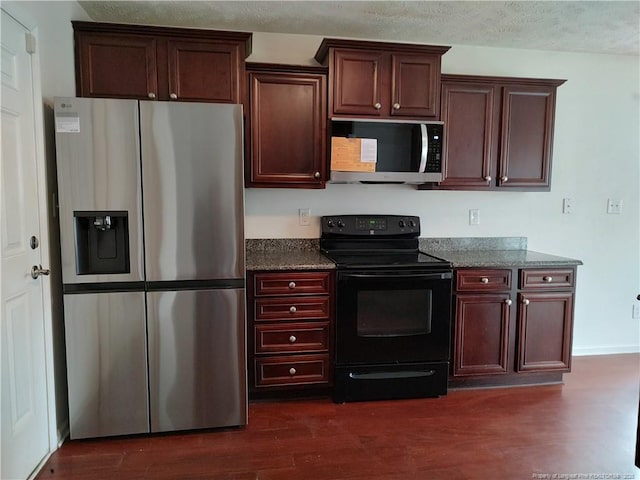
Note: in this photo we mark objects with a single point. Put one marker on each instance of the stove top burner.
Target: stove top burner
(375, 241)
(382, 259)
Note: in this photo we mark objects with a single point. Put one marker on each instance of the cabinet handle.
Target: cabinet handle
(484, 280)
(151, 95)
(292, 339)
(292, 371)
(292, 285)
(396, 106)
(504, 179)
(316, 175)
(487, 178)
(377, 106)
(547, 279)
(292, 309)
(508, 302)
(525, 301)
(173, 96)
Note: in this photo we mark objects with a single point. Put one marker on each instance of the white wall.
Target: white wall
(596, 156)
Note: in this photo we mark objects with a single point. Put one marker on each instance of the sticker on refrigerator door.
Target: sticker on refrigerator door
(67, 122)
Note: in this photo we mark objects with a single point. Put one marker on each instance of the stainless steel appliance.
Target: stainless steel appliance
(406, 152)
(393, 309)
(152, 237)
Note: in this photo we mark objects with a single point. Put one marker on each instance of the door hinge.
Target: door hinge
(30, 42)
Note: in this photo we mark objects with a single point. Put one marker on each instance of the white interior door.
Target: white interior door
(25, 432)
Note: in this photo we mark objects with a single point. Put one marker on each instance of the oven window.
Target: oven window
(393, 313)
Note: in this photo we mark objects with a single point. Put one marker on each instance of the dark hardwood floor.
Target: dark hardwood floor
(586, 426)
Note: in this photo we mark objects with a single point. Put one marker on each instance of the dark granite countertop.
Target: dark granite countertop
(502, 258)
(304, 254)
(286, 254)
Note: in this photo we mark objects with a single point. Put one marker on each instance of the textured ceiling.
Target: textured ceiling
(611, 27)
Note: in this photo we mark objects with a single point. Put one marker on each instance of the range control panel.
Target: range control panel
(368, 225)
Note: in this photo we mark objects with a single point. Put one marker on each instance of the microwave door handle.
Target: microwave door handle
(425, 148)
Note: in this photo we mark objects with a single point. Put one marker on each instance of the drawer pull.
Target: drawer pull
(525, 301)
(292, 309)
(292, 371)
(292, 285)
(484, 280)
(547, 279)
(508, 302)
(292, 339)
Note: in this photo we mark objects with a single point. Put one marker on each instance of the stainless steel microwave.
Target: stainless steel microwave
(404, 152)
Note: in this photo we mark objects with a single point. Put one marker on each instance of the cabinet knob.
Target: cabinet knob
(508, 302)
(525, 301)
(377, 106)
(292, 309)
(151, 95)
(292, 339)
(547, 279)
(487, 178)
(484, 280)
(173, 96)
(396, 106)
(316, 175)
(292, 285)
(292, 371)
(504, 179)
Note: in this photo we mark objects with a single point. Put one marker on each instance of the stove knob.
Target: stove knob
(340, 224)
(412, 223)
(330, 223)
(401, 223)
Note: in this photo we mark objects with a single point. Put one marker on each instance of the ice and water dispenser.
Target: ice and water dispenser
(102, 242)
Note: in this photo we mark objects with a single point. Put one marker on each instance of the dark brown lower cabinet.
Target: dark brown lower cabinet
(545, 322)
(500, 341)
(290, 325)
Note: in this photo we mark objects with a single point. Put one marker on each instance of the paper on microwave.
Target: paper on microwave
(354, 154)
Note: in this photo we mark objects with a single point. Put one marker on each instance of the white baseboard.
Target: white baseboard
(63, 432)
(608, 350)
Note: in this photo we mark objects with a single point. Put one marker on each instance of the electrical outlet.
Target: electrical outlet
(304, 215)
(474, 216)
(614, 206)
(567, 205)
(635, 311)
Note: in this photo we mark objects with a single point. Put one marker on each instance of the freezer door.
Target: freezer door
(98, 164)
(192, 172)
(197, 366)
(106, 364)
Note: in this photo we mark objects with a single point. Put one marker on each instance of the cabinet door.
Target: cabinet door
(287, 130)
(544, 331)
(481, 335)
(470, 115)
(526, 136)
(415, 89)
(357, 83)
(122, 66)
(204, 71)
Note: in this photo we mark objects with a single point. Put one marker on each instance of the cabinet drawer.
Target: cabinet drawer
(298, 370)
(296, 337)
(546, 278)
(291, 308)
(314, 283)
(475, 280)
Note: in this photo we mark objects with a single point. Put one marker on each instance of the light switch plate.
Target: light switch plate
(304, 215)
(614, 206)
(474, 216)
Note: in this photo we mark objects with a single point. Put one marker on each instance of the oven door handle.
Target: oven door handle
(422, 276)
(389, 375)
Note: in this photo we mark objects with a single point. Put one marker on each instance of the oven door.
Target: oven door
(397, 316)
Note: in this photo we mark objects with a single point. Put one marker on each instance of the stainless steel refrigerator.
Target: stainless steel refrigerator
(151, 212)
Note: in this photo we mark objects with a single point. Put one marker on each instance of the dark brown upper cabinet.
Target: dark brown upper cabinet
(498, 132)
(286, 128)
(382, 80)
(157, 63)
